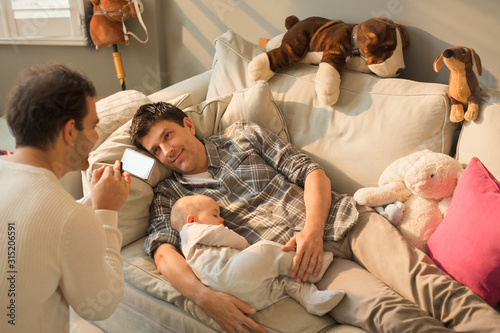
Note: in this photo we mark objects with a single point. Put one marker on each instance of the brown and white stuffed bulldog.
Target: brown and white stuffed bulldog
(330, 43)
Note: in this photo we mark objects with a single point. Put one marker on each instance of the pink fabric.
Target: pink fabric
(467, 243)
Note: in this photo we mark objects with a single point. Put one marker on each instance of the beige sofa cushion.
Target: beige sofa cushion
(133, 216)
(375, 121)
(115, 110)
(255, 103)
(481, 138)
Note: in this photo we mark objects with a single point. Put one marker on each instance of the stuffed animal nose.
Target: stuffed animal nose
(399, 71)
(448, 53)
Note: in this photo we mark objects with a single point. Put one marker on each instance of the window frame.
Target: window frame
(9, 33)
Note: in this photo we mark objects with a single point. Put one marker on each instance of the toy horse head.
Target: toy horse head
(106, 25)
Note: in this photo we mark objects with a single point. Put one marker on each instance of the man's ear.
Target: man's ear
(191, 218)
(69, 132)
(189, 124)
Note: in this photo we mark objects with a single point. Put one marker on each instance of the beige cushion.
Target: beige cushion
(229, 73)
(255, 103)
(481, 138)
(133, 216)
(116, 110)
(375, 121)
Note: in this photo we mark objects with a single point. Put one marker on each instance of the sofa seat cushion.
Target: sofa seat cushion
(140, 312)
(140, 272)
(375, 121)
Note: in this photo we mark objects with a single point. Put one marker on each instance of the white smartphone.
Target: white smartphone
(137, 163)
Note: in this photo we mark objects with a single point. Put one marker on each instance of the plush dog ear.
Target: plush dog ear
(404, 36)
(373, 30)
(438, 63)
(476, 62)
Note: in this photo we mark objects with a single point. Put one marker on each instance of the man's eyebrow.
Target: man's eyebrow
(159, 136)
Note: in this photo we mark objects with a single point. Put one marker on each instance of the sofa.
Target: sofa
(374, 122)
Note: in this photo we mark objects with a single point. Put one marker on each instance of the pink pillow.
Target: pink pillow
(466, 244)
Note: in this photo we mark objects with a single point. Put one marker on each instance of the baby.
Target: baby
(224, 261)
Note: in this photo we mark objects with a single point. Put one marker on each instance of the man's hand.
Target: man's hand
(309, 257)
(309, 242)
(229, 312)
(109, 187)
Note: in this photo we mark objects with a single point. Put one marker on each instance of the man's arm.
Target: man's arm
(226, 310)
(299, 168)
(309, 242)
(110, 189)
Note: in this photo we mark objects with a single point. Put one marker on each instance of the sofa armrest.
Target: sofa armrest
(72, 182)
(197, 86)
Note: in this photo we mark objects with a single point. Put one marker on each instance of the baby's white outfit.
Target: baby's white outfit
(258, 274)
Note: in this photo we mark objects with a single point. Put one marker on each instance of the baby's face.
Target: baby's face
(210, 214)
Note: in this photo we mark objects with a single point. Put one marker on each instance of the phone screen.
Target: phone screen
(137, 164)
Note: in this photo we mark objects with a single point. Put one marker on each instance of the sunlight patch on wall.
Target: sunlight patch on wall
(196, 48)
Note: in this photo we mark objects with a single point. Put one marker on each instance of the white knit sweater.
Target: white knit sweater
(54, 252)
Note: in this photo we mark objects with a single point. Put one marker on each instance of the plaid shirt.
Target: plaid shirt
(259, 189)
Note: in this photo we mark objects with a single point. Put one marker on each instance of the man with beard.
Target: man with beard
(60, 253)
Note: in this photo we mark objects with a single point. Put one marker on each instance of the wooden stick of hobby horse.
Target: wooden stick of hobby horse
(120, 73)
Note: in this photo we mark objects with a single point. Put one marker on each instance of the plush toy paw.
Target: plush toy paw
(327, 84)
(259, 68)
(392, 212)
(382, 195)
(444, 205)
(457, 113)
(472, 112)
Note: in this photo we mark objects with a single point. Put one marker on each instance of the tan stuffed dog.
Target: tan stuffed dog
(316, 40)
(424, 181)
(463, 87)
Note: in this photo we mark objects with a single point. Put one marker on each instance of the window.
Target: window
(42, 22)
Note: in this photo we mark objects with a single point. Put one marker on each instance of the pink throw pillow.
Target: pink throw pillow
(466, 244)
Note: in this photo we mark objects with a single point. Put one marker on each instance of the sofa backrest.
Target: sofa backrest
(374, 122)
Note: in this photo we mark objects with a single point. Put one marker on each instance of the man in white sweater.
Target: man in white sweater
(55, 252)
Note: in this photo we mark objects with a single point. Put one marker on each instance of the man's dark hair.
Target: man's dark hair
(149, 115)
(43, 100)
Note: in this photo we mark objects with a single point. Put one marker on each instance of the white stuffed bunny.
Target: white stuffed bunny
(424, 181)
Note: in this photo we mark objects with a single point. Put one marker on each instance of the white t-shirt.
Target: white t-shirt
(200, 178)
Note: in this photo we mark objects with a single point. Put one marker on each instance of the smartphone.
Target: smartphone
(137, 163)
